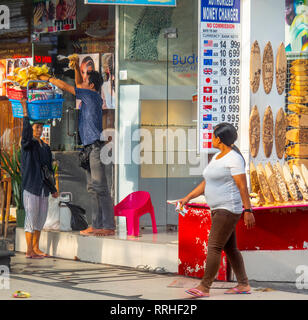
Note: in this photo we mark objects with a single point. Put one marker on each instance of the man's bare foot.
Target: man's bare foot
(239, 289)
(87, 232)
(39, 252)
(104, 232)
(33, 255)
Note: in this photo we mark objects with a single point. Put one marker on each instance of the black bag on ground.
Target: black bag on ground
(78, 219)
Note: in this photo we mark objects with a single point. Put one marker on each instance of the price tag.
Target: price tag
(219, 67)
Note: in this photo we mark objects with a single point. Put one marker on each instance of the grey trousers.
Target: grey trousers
(36, 208)
(101, 202)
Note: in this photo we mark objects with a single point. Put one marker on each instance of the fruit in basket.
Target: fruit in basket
(23, 75)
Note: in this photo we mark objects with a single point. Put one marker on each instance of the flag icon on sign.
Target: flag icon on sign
(207, 145)
(207, 107)
(207, 89)
(208, 126)
(207, 117)
(207, 70)
(208, 43)
(208, 62)
(207, 99)
(207, 135)
(208, 53)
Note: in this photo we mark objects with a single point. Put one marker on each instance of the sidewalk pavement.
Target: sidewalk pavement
(59, 279)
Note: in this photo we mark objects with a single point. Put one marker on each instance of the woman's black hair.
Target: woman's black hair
(227, 134)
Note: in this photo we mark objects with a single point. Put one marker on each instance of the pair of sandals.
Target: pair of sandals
(199, 294)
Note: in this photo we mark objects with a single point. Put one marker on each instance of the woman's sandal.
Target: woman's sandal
(237, 291)
(197, 293)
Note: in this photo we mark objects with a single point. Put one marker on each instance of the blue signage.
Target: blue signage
(134, 2)
(224, 11)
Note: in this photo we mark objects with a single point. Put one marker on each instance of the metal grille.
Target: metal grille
(290, 58)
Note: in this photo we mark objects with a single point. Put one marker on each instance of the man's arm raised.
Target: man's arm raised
(78, 77)
(59, 83)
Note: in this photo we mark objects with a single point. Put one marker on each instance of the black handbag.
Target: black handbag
(48, 176)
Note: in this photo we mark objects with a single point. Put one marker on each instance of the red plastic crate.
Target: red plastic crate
(16, 94)
(194, 230)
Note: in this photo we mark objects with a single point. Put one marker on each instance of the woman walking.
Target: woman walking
(34, 155)
(226, 193)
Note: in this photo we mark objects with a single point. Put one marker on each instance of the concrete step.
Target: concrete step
(153, 250)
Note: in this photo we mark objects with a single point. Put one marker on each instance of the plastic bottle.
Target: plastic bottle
(58, 93)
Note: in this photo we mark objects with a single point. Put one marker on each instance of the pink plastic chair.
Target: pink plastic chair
(133, 207)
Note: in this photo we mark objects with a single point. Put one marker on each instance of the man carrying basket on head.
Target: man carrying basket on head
(90, 129)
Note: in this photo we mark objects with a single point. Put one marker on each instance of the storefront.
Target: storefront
(166, 55)
(158, 76)
(45, 32)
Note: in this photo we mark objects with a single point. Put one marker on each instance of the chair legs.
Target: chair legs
(132, 223)
(154, 227)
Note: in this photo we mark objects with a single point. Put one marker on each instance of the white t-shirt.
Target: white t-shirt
(221, 191)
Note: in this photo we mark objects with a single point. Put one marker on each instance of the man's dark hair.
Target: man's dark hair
(96, 79)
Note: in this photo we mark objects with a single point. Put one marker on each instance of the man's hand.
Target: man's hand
(55, 195)
(23, 102)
